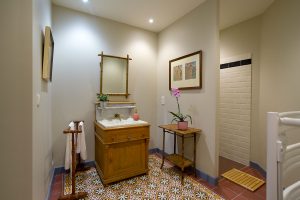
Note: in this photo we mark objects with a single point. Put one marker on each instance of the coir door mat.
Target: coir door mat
(243, 179)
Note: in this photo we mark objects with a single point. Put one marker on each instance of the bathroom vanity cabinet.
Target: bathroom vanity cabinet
(121, 152)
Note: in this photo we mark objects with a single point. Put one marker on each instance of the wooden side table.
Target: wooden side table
(176, 159)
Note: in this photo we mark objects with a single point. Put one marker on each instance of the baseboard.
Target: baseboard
(59, 170)
(258, 168)
(50, 184)
(211, 180)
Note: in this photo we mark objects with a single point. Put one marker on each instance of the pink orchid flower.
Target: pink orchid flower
(178, 116)
(175, 92)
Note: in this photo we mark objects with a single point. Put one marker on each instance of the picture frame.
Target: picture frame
(185, 72)
(48, 51)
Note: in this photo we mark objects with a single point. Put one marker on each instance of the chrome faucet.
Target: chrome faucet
(117, 116)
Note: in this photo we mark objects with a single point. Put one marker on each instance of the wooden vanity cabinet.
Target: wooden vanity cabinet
(121, 152)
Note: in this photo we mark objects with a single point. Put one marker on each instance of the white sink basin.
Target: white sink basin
(122, 122)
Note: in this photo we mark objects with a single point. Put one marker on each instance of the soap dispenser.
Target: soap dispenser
(136, 116)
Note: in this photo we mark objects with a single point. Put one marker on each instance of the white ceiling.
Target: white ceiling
(164, 12)
(236, 11)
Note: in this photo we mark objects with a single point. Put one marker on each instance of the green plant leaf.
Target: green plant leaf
(190, 118)
(178, 116)
(174, 119)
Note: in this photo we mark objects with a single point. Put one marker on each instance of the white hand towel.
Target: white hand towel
(68, 154)
(81, 142)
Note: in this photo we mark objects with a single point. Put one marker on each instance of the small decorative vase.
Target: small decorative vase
(183, 126)
(103, 104)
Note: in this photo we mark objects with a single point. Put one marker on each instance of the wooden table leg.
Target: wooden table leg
(195, 155)
(182, 158)
(73, 163)
(174, 143)
(163, 151)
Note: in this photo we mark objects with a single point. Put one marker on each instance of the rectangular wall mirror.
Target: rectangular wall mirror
(114, 75)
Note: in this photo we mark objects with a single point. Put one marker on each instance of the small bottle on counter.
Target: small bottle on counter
(136, 116)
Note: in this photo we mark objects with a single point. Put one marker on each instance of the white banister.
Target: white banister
(272, 130)
(288, 114)
(290, 121)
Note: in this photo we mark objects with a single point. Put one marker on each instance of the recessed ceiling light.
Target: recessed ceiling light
(151, 20)
(85, 1)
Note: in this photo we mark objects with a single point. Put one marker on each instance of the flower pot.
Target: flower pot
(136, 116)
(103, 104)
(183, 126)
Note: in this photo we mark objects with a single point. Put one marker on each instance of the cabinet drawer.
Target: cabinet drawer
(122, 134)
(127, 135)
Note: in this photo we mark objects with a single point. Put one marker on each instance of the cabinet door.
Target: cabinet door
(127, 158)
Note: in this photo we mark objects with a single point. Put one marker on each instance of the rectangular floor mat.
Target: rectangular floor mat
(243, 179)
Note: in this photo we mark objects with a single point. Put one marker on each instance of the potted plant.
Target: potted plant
(179, 117)
(103, 98)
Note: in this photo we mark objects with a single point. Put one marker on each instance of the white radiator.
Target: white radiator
(282, 160)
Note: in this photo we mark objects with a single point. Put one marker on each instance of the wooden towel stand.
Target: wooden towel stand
(74, 195)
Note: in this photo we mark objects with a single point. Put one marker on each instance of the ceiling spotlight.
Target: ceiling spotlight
(85, 1)
(151, 20)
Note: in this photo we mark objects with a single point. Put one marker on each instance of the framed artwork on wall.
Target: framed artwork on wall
(185, 72)
(48, 51)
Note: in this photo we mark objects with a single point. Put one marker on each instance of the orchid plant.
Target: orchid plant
(179, 117)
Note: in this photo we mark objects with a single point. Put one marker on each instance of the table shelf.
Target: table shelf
(179, 159)
(176, 159)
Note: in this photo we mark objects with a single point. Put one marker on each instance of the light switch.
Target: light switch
(38, 100)
(162, 100)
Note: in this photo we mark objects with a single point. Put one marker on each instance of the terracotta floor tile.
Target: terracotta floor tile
(261, 191)
(246, 168)
(225, 192)
(232, 186)
(239, 197)
(206, 184)
(58, 178)
(54, 196)
(57, 188)
(226, 165)
(252, 195)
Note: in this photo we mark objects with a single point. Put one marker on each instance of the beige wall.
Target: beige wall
(280, 65)
(197, 30)
(16, 99)
(26, 140)
(241, 39)
(42, 129)
(273, 41)
(78, 40)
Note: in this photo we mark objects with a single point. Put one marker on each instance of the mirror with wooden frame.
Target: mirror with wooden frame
(114, 75)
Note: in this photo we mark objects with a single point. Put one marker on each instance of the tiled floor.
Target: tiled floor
(225, 188)
(232, 191)
(56, 187)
